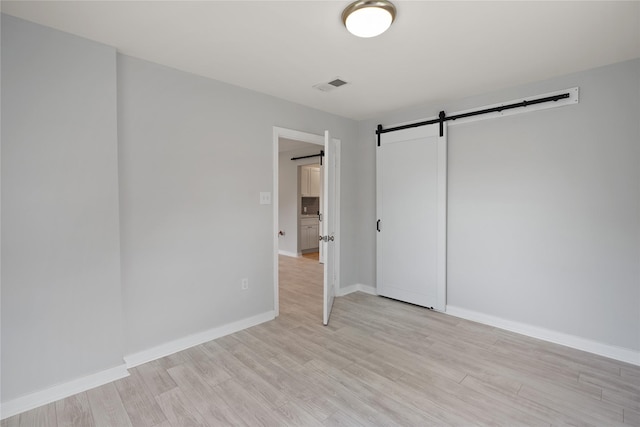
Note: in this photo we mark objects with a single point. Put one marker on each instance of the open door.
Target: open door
(320, 219)
(329, 231)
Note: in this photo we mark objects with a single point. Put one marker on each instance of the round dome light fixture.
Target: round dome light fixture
(368, 18)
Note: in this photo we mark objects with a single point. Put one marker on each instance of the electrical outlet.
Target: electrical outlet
(244, 284)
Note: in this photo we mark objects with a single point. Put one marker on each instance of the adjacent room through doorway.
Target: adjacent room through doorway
(300, 272)
(303, 197)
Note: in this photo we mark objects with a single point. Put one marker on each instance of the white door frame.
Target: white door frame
(311, 138)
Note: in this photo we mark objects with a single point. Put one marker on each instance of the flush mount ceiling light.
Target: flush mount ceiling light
(368, 18)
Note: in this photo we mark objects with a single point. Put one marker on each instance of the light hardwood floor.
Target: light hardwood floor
(379, 362)
(312, 255)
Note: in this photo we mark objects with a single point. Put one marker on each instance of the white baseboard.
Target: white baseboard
(606, 350)
(60, 391)
(287, 253)
(51, 394)
(358, 287)
(166, 349)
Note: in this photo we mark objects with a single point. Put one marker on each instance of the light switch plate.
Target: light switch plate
(265, 198)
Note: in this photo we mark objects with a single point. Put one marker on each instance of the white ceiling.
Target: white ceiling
(435, 51)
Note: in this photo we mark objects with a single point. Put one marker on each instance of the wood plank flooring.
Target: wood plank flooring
(312, 255)
(378, 363)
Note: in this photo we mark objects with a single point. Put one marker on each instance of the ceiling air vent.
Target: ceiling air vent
(329, 86)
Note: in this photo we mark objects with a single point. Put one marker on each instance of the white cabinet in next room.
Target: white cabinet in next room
(310, 181)
(309, 233)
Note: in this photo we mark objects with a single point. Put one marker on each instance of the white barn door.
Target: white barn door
(411, 206)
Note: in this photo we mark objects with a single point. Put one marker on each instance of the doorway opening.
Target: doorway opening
(297, 240)
(299, 204)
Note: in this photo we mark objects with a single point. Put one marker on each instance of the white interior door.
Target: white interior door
(411, 205)
(321, 216)
(329, 225)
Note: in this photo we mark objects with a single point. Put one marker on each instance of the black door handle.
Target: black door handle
(378, 225)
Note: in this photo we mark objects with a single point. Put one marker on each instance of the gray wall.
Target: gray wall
(288, 194)
(130, 204)
(544, 207)
(194, 154)
(61, 300)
